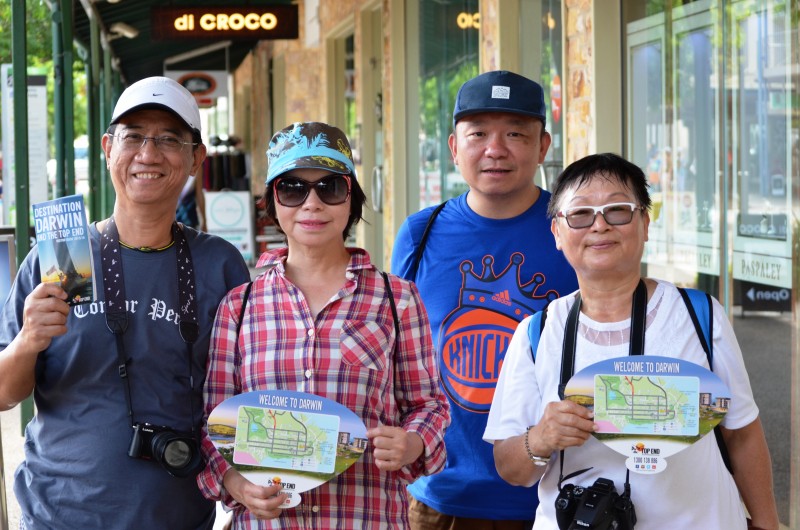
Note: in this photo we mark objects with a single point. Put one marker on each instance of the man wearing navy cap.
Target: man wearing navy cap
(488, 260)
(118, 382)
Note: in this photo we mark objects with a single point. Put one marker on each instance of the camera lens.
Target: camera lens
(177, 453)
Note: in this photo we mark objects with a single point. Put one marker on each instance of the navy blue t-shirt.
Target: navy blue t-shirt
(77, 472)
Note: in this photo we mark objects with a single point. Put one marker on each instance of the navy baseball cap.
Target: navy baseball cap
(500, 91)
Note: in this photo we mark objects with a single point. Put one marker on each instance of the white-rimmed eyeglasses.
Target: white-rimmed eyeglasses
(616, 213)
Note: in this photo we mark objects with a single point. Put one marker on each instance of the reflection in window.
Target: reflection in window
(761, 99)
(551, 79)
(674, 136)
(694, 147)
(448, 56)
(711, 105)
(350, 91)
(646, 102)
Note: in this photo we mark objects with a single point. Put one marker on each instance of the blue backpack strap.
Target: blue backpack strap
(701, 310)
(535, 327)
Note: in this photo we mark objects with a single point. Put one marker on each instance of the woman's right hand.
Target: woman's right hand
(564, 424)
(264, 502)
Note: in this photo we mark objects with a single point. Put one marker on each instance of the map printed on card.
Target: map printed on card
(666, 406)
(283, 439)
(648, 408)
(294, 439)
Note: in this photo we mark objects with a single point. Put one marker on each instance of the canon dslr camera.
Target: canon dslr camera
(177, 452)
(598, 507)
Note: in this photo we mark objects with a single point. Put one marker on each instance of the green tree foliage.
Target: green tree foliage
(39, 53)
(39, 39)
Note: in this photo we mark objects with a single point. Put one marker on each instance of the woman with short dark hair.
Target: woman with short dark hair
(600, 219)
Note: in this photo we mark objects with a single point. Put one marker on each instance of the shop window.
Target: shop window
(673, 134)
(550, 75)
(711, 92)
(350, 90)
(448, 56)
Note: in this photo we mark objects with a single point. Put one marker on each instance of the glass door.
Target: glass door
(448, 56)
(762, 127)
(691, 161)
(647, 130)
(713, 117)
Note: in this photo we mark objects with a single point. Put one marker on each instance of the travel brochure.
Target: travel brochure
(649, 407)
(65, 252)
(294, 439)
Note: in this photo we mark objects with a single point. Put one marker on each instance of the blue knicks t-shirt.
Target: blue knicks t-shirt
(478, 278)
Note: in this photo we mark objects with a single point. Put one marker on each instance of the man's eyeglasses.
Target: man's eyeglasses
(165, 144)
(616, 213)
(332, 189)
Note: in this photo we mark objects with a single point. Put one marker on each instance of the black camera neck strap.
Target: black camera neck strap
(636, 347)
(115, 307)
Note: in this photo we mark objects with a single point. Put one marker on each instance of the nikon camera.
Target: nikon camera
(598, 507)
(177, 452)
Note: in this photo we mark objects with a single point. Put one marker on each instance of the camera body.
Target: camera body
(177, 452)
(598, 507)
(569, 496)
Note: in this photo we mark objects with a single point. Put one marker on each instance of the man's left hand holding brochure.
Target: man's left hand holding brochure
(65, 251)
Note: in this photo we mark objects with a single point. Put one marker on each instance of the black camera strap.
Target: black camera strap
(636, 347)
(117, 315)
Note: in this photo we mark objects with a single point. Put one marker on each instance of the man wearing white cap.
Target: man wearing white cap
(118, 383)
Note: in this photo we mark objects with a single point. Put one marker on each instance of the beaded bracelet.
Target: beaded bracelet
(537, 460)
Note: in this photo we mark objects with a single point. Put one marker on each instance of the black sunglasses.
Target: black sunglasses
(332, 189)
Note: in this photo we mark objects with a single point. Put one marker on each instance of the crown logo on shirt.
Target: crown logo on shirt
(504, 292)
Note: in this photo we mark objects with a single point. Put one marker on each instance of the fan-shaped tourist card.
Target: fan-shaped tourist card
(648, 408)
(295, 439)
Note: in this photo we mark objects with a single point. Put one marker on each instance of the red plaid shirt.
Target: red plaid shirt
(348, 354)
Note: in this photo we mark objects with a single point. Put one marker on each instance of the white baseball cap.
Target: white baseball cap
(159, 93)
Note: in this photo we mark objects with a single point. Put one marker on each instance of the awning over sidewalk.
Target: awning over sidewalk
(126, 26)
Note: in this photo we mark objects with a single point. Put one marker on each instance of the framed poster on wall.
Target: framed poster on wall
(8, 264)
(229, 214)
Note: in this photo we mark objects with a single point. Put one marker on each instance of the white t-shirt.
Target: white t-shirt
(695, 490)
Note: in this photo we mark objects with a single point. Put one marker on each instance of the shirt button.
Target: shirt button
(315, 509)
(308, 374)
(310, 332)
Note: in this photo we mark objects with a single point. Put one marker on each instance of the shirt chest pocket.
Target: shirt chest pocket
(365, 345)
